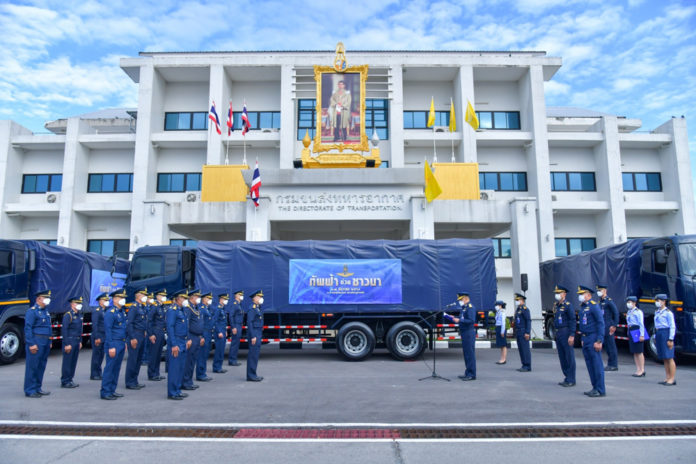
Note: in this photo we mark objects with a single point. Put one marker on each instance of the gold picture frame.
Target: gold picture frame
(333, 130)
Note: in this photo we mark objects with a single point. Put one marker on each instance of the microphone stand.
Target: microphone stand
(434, 375)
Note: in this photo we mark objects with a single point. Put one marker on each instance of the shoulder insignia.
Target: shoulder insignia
(113, 310)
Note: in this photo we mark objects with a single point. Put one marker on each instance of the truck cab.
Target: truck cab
(16, 264)
(156, 267)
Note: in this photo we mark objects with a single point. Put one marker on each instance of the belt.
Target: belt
(196, 334)
(41, 336)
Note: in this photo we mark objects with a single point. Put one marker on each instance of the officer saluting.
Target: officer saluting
(195, 334)
(204, 353)
(178, 342)
(156, 326)
(98, 336)
(592, 329)
(137, 331)
(564, 321)
(220, 332)
(71, 332)
(235, 314)
(37, 342)
(467, 331)
(254, 334)
(115, 344)
(523, 326)
(611, 320)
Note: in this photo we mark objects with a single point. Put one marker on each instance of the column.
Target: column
(396, 118)
(463, 92)
(258, 223)
(611, 226)
(287, 118)
(10, 180)
(215, 153)
(422, 218)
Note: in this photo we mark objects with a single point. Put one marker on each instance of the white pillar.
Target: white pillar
(611, 225)
(258, 224)
(396, 118)
(217, 94)
(288, 130)
(422, 218)
(463, 92)
(525, 256)
(10, 178)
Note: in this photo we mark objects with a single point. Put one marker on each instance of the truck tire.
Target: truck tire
(406, 340)
(11, 343)
(651, 346)
(550, 329)
(355, 341)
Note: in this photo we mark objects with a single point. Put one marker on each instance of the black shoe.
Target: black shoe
(638, 375)
(95, 377)
(154, 379)
(667, 384)
(44, 393)
(589, 392)
(610, 369)
(468, 378)
(183, 395)
(461, 376)
(70, 385)
(175, 398)
(135, 387)
(255, 379)
(33, 395)
(221, 371)
(523, 369)
(189, 387)
(236, 363)
(118, 395)
(204, 379)
(569, 384)
(109, 398)
(501, 363)
(596, 394)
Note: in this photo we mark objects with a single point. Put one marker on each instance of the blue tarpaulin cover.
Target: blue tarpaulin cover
(433, 271)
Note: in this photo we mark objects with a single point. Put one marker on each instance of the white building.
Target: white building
(556, 180)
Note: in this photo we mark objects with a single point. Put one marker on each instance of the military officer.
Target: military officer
(254, 335)
(220, 332)
(195, 334)
(114, 344)
(37, 342)
(611, 320)
(564, 321)
(137, 331)
(147, 344)
(178, 344)
(235, 314)
(204, 353)
(71, 333)
(592, 329)
(523, 326)
(467, 330)
(156, 327)
(98, 336)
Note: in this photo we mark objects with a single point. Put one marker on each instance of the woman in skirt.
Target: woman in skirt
(665, 330)
(634, 320)
(500, 330)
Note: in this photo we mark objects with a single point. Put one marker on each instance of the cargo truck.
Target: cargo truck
(350, 295)
(639, 267)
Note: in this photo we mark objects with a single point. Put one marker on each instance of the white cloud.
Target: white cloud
(556, 88)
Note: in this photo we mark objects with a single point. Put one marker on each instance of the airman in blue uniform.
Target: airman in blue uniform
(523, 327)
(115, 344)
(665, 331)
(156, 329)
(137, 331)
(467, 331)
(254, 335)
(564, 320)
(220, 332)
(37, 342)
(235, 314)
(178, 344)
(500, 331)
(204, 353)
(592, 329)
(98, 336)
(71, 333)
(611, 320)
(195, 334)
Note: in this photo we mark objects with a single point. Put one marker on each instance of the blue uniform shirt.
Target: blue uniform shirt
(137, 321)
(156, 319)
(467, 316)
(235, 312)
(564, 316)
(114, 326)
(635, 317)
(592, 321)
(610, 312)
(664, 319)
(207, 316)
(98, 323)
(500, 321)
(523, 320)
(255, 321)
(220, 320)
(37, 321)
(71, 330)
(195, 320)
(177, 326)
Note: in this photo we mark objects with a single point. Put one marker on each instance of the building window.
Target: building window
(48, 242)
(257, 120)
(42, 183)
(572, 246)
(499, 120)
(377, 118)
(306, 118)
(419, 119)
(183, 242)
(186, 121)
(573, 181)
(501, 247)
(642, 181)
(179, 182)
(110, 183)
(109, 247)
(503, 181)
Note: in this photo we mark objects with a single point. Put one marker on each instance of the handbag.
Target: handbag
(635, 333)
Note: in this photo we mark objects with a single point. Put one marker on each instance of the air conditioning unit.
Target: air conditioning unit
(269, 130)
(487, 195)
(554, 198)
(192, 197)
(52, 197)
(440, 128)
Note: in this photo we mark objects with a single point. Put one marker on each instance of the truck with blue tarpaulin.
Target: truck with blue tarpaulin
(639, 267)
(27, 266)
(350, 294)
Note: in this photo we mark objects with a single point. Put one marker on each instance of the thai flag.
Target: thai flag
(214, 117)
(255, 185)
(230, 121)
(245, 121)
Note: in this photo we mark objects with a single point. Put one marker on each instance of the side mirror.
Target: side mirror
(661, 256)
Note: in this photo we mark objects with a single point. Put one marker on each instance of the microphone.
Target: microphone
(451, 305)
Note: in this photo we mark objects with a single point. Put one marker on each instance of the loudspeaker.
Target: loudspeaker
(370, 163)
(297, 164)
(523, 282)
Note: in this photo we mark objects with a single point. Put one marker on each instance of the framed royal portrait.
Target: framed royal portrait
(340, 109)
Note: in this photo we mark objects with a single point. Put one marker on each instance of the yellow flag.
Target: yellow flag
(453, 120)
(470, 116)
(431, 115)
(432, 188)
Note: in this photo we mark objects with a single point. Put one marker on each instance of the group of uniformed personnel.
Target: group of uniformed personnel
(187, 326)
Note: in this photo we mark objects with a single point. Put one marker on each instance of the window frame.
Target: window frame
(568, 181)
(498, 247)
(482, 176)
(492, 113)
(634, 182)
(49, 183)
(115, 244)
(186, 181)
(568, 245)
(191, 120)
(116, 177)
(369, 108)
(439, 115)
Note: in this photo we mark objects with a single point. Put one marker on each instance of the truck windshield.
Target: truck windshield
(146, 267)
(687, 256)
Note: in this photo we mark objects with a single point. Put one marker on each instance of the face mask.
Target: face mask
(518, 302)
(461, 303)
(78, 307)
(198, 301)
(185, 304)
(658, 304)
(160, 298)
(122, 302)
(241, 298)
(260, 300)
(629, 305)
(558, 297)
(223, 302)
(47, 301)
(143, 299)
(599, 293)
(498, 308)
(151, 301)
(581, 298)
(103, 303)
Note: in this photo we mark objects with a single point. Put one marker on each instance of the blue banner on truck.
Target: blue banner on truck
(345, 281)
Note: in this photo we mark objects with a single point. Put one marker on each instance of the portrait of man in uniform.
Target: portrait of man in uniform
(340, 112)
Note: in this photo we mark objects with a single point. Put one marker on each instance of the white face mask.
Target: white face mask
(461, 302)
(629, 305)
(151, 301)
(260, 300)
(519, 302)
(198, 301)
(185, 304)
(599, 293)
(558, 297)
(160, 298)
(143, 299)
(122, 302)
(581, 298)
(498, 308)
(46, 301)
(241, 298)
(658, 304)
(223, 302)
(78, 307)
(104, 303)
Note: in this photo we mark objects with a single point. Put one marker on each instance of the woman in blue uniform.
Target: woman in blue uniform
(636, 325)
(500, 330)
(665, 329)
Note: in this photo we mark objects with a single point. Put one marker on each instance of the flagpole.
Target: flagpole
(452, 139)
(244, 161)
(434, 149)
(227, 151)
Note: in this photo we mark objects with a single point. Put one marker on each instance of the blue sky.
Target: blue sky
(633, 58)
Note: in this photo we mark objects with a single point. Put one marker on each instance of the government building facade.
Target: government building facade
(548, 181)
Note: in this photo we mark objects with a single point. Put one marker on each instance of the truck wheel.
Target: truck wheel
(11, 343)
(356, 341)
(406, 340)
(551, 329)
(651, 346)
